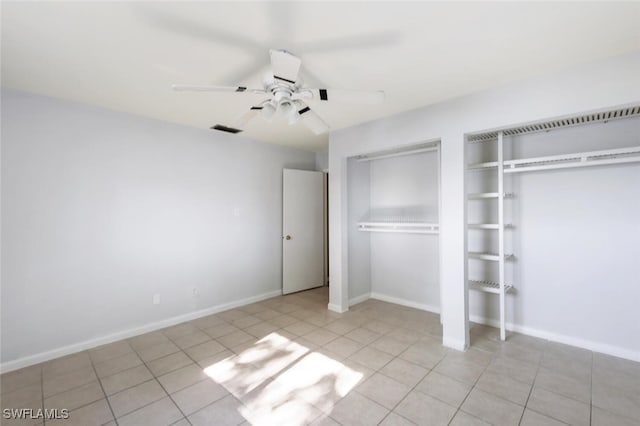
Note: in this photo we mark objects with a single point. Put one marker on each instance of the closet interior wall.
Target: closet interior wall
(401, 267)
(575, 237)
(359, 189)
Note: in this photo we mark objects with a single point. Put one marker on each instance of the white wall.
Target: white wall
(405, 266)
(101, 210)
(613, 82)
(322, 160)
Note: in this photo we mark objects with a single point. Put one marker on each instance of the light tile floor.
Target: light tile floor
(288, 360)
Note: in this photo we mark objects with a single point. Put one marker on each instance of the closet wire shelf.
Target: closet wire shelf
(630, 154)
(488, 286)
(563, 161)
(489, 195)
(493, 226)
(575, 120)
(399, 220)
(495, 257)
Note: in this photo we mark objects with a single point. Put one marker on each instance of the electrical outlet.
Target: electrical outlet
(194, 291)
(156, 299)
(237, 211)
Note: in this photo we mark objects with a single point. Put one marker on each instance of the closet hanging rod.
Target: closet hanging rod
(426, 228)
(579, 159)
(489, 195)
(401, 231)
(395, 154)
(489, 226)
(398, 223)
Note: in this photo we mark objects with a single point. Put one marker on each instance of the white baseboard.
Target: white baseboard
(405, 302)
(359, 299)
(456, 344)
(529, 331)
(603, 348)
(125, 334)
(336, 308)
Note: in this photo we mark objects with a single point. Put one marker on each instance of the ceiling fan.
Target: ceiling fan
(287, 96)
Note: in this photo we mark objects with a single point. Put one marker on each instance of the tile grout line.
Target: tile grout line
(160, 383)
(515, 379)
(199, 366)
(559, 394)
(362, 395)
(370, 399)
(240, 402)
(537, 371)
(142, 406)
(22, 387)
(129, 387)
(115, 419)
(196, 363)
(153, 378)
(319, 347)
(410, 390)
(99, 380)
(105, 395)
(78, 387)
(85, 384)
(471, 390)
(532, 385)
(451, 378)
(44, 422)
(591, 392)
(379, 371)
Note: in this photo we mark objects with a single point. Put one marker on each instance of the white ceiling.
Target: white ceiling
(124, 56)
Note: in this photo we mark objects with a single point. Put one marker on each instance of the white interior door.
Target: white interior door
(302, 230)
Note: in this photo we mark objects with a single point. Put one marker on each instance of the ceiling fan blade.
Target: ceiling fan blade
(312, 120)
(343, 95)
(285, 66)
(245, 118)
(169, 20)
(364, 41)
(311, 77)
(257, 66)
(281, 22)
(206, 88)
(240, 122)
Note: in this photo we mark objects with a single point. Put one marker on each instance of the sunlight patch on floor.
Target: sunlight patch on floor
(280, 381)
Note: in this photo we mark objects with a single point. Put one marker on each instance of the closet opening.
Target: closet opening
(553, 235)
(393, 220)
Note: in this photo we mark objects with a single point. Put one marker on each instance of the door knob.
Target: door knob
(288, 237)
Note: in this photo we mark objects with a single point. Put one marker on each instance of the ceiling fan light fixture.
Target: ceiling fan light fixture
(286, 107)
(268, 111)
